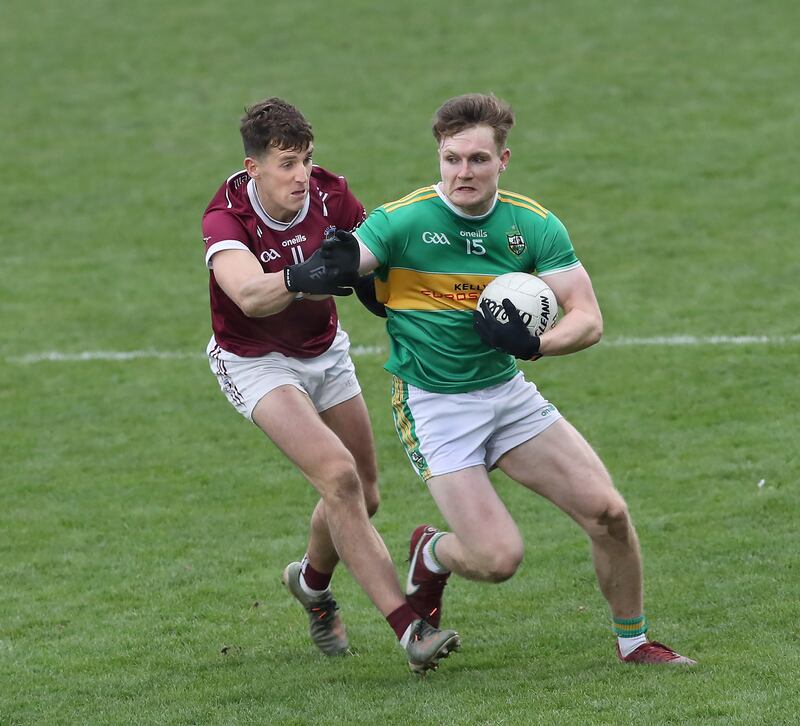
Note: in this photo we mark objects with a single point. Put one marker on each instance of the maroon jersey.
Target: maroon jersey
(235, 219)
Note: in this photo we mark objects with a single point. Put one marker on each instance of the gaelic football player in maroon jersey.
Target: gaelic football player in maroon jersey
(283, 362)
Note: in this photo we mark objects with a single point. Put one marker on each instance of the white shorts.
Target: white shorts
(328, 379)
(446, 432)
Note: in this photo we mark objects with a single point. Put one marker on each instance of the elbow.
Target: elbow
(596, 331)
(251, 307)
(254, 307)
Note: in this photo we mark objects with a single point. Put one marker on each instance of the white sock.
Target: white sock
(303, 586)
(308, 591)
(628, 645)
(429, 558)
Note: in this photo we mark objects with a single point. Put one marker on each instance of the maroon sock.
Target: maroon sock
(401, 618)
(315, 579)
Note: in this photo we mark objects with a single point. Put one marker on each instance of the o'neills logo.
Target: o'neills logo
(296, 240)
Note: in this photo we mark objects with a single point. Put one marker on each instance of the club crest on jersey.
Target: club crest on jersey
(516, 242)
(330, 230)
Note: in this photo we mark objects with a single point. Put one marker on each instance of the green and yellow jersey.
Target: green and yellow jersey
(434, 263)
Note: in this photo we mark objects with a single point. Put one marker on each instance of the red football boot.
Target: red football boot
(424, 588)
(653, 653)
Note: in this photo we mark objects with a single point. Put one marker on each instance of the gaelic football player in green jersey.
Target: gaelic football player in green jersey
(461, 406)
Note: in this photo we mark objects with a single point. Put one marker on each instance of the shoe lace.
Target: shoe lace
(422, 631)
(324, 609)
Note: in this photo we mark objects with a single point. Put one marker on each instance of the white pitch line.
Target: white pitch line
(363, 350)
(124, 355)
(708, 340)
(107, 355)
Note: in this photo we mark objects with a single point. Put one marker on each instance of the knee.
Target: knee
(340, 482)
(501, 563)
(372, 499)
(612, 521)
(369, 484)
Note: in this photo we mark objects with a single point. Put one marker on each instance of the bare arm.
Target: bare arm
(582, 324)
(368, 261)
(257, 293)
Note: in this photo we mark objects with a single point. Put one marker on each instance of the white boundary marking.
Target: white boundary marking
(363, 350)
(55, 356)
(708, 340)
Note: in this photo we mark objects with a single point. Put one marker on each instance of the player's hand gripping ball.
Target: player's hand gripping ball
(529, 294)
(513, 311)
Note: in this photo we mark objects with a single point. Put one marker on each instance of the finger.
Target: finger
(486, 310)
(344, 236)
(328, 246)
(478, 317)
(511, 311)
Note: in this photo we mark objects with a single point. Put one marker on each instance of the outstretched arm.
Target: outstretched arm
(257, 293)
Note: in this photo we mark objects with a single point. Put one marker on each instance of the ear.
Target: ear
(504, 157)
(252, 167)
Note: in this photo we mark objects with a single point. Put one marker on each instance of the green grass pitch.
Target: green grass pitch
(144, 525)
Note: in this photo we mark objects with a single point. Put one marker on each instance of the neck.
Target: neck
(279, 214)
(473, 212)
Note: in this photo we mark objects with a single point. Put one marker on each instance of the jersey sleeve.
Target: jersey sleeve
(375, 234)
(352, 211)
(222, 231)
(556, 251)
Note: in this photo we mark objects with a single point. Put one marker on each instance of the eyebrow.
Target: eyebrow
(479, 152)
(285, 154)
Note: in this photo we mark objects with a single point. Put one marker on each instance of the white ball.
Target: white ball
(535, 301)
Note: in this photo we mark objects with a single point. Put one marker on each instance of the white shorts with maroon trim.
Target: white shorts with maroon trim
(447, 432)
(328, 380)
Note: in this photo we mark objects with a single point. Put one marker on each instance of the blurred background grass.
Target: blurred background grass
(144, 524)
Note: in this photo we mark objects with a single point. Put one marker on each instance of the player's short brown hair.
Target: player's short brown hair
(474, 109)
(274, 123)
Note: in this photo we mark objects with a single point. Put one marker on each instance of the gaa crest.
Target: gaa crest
(516, 242)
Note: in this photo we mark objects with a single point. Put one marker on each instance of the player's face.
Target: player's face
(471, 165)
(282, 180)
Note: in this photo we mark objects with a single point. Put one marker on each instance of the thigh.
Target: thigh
(521, 414)
(350, 422)
(287, 416)
(441, 432)
(335, 375)
(473, 510)
(560, 465)
(245, 381)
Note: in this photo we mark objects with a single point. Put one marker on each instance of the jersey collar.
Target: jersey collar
(455, 210)
(258, 208)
